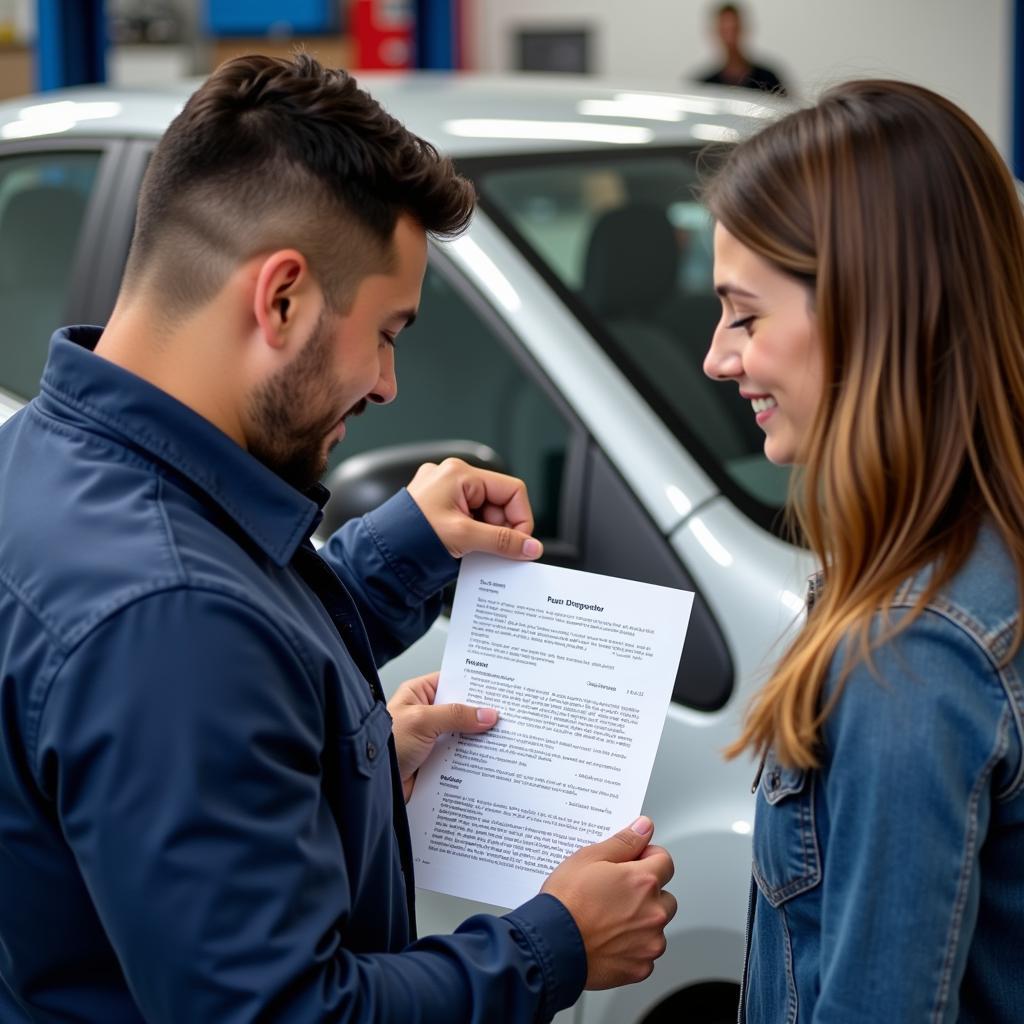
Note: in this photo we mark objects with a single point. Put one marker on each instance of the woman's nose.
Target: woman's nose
(723, 361)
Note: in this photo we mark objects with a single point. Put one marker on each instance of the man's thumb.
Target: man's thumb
(627, 844)
(461, 718)
(504, 541)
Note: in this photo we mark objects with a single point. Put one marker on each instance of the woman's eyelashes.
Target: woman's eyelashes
(744, 322)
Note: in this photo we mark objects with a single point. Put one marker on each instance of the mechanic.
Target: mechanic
(202, 791)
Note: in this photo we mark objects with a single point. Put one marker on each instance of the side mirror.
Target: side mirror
(362, 482)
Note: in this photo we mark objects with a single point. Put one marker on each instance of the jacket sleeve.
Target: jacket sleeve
(181, 743)
(914, 751)
(395, 567)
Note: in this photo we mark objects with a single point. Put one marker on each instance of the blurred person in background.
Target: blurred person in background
(869, 256)
(737, 68)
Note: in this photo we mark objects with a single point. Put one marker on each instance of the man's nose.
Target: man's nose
(386, 388)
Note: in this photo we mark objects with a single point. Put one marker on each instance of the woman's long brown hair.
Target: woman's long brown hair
(895, 208)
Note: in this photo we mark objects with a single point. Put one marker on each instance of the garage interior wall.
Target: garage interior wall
(963, 50)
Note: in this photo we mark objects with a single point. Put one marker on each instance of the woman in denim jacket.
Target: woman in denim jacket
(869, 254)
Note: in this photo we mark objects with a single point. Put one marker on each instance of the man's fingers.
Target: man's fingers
(483, 487)
(658, 859)
(419, 690)
(669, 902)
(500, 540)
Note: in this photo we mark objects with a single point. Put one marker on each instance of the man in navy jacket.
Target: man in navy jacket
(201, 792)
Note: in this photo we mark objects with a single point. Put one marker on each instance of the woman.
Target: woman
(869, 255)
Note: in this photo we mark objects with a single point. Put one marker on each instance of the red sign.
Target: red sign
(383, 33)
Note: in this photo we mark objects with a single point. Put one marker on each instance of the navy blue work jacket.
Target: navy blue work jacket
(200, 818)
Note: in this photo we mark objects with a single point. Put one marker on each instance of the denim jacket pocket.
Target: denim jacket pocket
(787, 857)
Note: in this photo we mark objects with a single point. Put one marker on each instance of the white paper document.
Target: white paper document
(581, 669)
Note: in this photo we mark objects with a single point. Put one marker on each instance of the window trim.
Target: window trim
(768, 517)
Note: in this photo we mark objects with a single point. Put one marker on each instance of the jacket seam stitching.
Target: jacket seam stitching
(542, 955)
(965, 625)
(792, 1005)
(157, 446)
(39, 708)
(389, 557)
(37, 613)
(970, 843)
(171, 541)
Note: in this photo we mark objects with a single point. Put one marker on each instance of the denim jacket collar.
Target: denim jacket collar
(104, 396)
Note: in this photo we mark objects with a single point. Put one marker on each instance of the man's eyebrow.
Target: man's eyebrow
(725, 290)
(408, 315)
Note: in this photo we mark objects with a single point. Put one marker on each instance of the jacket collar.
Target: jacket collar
(96, 393)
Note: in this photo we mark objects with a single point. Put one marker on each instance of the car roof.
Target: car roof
(462, 113)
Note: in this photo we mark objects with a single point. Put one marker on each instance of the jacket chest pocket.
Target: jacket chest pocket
(787, 857)
(357, 780)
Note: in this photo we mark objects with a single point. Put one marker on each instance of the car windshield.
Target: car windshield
(629, 247)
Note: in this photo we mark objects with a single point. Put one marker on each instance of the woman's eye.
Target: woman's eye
(744, 322)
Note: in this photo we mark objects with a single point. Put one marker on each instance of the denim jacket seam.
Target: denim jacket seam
(987, 642)
(792, 1001)
(969, 851)
(985, 639)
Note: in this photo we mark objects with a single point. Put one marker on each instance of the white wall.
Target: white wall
(961, 48)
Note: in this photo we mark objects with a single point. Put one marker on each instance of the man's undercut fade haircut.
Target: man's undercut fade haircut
(282, 153)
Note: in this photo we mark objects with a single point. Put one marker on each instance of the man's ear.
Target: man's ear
(284, 290)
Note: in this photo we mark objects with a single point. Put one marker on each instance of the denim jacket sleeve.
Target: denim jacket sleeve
(912, 751)
(395, 567)
(182, 745)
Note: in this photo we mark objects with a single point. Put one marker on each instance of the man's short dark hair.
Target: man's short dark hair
(724, 9)
(276, 153)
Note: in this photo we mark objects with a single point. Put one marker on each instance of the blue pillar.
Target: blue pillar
(437, 34)
(71, 43)
(1017, 97)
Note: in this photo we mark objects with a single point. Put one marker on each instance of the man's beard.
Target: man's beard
(293, 412)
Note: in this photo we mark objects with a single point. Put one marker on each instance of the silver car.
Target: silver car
(561, 339)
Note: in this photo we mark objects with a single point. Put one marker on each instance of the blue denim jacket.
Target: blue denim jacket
(889, 884)
(200, 816)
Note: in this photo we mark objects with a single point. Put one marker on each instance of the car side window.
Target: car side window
(43, 199)
(457, 379)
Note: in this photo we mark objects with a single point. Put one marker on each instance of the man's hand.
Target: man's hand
(476, 510)
(417, 722)
(614, 891)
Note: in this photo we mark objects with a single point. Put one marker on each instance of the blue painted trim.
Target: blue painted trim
(71, 44)
(436, 35)
(1017, 97)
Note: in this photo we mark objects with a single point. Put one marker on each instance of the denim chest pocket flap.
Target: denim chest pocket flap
(787, 857)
